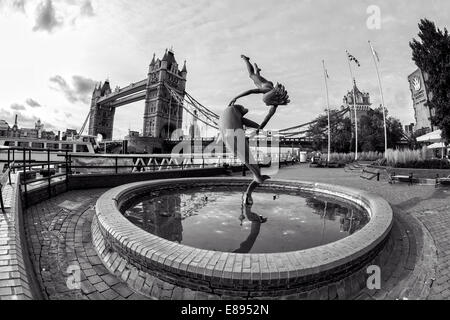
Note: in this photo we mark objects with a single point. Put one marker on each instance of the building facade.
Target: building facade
(420, 97)
(101, 117)
(37, 132)
(163, 114)
(362, 103)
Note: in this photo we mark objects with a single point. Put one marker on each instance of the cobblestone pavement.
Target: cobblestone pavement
(59, 239)
(58, 233)
(420, 265)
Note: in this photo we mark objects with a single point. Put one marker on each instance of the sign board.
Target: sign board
(419, 96)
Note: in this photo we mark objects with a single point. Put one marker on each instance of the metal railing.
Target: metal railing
(29, 161)
(59, 164)
(138, 163)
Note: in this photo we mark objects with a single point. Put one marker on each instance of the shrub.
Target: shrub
(415, 159)
(350, 157)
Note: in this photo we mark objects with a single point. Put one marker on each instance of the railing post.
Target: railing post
(70, 164)
(67, 170)
(49, 188)
(116, 165)
(14, 158)
(1, 200)
(25, 177)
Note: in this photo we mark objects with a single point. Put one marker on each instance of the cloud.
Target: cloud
(16, 106)
(19, 5)
(86, 9)
(68, 114)
(33, 103)
(46, 17)
(80, 91)
(14, 5)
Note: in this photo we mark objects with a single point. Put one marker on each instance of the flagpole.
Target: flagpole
(382, 98)
(354, 107)
(328, 109)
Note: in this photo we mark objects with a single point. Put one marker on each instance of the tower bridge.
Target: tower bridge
(135, 92)
(162, 116)
(165, 100)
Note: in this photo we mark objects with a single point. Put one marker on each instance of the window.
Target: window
(82, 148)
(37, 145)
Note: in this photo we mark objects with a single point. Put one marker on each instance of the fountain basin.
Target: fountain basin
(147, 261)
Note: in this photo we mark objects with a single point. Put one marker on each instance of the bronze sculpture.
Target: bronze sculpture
(273, 96)
(232, 122)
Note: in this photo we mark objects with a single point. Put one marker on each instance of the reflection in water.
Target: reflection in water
(350, 220)
(255, 219)
(163, 216)
(268, 222)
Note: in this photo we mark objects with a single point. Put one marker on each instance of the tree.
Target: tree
(431, 53)
(395, 132)
(370, 132)
(341, 132)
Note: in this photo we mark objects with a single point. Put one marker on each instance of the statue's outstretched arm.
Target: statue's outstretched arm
(247, 93)
(249, 123)
(269, 116)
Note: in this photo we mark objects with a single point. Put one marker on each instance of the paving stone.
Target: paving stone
(110, 279)
(123, 290)
(73, 245)
(51, 232)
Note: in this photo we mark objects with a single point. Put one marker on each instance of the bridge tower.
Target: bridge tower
(101, 118)
(163, 114)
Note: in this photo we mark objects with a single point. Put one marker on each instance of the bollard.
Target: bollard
(378, 176)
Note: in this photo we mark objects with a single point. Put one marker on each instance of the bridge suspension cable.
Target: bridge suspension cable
(212, 120)
(290, 134)
(210, 117)
(212, 113)
(83, 127)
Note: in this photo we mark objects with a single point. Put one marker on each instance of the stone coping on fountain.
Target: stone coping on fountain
(222, 273)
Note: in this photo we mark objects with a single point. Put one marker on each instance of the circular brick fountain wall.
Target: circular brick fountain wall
(159, 268)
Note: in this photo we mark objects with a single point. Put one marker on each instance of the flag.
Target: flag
(352, 58)
(325, 70)
(375, 54)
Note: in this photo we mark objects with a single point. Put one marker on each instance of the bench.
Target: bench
(443, 181)
(403, 178)
(369, 173)
(354, 167)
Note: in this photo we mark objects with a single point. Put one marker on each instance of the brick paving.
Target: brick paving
(420, 266)
(14, 283)
(58, 234)
(59, 238)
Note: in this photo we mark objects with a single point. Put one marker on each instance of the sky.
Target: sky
(53, 52)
